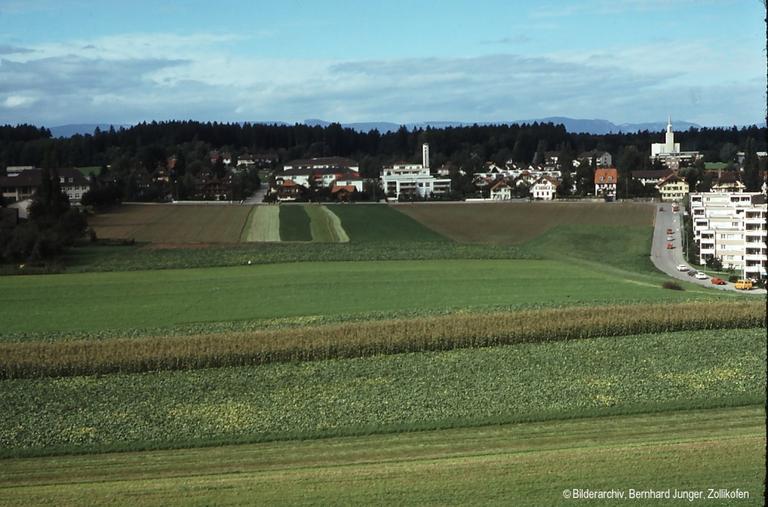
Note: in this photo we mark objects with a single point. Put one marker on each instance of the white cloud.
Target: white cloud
(134, 77)
(14, 101)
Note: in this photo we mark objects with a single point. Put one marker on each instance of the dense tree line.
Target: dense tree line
(150, 143)
(53, 225)
(129, 156)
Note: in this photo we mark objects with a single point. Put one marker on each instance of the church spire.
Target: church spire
(669, 123)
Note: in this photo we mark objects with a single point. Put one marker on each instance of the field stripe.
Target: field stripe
(263, 224)
(325, 225)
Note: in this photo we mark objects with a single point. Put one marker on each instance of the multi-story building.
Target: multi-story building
(413, 179)
(606, 180)
(22, 183)
(672, 188)
(731, 227)
(669, 152)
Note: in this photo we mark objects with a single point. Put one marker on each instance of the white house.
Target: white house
(501, 191)
(606, 180)
(672, 188)
(544, 189)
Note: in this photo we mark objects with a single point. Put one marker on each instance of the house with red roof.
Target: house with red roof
(606, 179)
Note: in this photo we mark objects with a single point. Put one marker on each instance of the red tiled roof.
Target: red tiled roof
(346, 188)
(606, 175)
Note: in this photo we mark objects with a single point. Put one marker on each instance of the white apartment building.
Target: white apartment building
(732, 227)
(413, 179)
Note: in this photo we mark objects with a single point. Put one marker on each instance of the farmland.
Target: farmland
(499, 353)
(173, 224)
(691, 449)
(516, 223)
(469, 387)
(141, 299)
(184, 224)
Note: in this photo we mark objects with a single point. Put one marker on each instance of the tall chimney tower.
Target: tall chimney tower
(425, 155)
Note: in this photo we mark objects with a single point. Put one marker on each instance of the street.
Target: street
(667, 260)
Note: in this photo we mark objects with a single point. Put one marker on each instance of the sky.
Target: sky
(627, 61)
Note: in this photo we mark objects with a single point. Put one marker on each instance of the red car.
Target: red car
(670, 246)
(718, 281)
(669, 231)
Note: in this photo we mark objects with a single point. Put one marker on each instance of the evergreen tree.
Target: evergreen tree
(751, 167)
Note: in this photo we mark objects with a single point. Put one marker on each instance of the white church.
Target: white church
(669, 151)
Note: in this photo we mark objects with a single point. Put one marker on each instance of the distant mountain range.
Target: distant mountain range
(573, 125)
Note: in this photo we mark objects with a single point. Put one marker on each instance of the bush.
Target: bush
(733, 278)
(672, 286)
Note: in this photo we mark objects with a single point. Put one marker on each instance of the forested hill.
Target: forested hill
(148, 144)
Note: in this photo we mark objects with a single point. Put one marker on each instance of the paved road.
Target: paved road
(258, 197)
(667, 260)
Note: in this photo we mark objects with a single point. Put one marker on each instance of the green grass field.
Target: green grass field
(294, 224)
(527, 464)
(380, 222)
(124, 300)
(384, 393)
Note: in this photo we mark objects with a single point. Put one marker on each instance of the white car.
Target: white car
(701, 276)
(682, 267)
(670, 238)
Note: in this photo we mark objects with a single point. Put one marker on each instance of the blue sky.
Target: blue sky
(78, 61)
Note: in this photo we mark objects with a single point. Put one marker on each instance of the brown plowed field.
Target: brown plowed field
(514, 223)
(172, 223)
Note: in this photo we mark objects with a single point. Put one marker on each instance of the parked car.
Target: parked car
(693, 273)
(701, 276)
(670, 246)
(682, 267)
(661, 209)
(670, 238)
(669, 231)
(718, 281)
(744, 284)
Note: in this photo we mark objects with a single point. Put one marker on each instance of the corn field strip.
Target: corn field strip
(346, 340)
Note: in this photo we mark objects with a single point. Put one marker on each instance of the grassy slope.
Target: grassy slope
(524, 464)
(639, 373)
(380, 222)
(294, 224)
(124, 300)
(624, 247)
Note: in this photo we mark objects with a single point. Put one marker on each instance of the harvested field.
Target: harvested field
(173, 224)
(325, 225)
(263, 224)
(515, 223)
